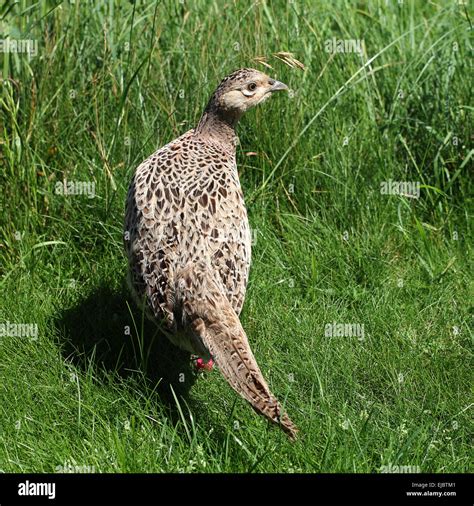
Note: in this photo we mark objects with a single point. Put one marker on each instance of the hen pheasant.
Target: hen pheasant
(188, 240)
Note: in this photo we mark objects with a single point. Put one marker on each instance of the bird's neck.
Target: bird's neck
(218, 125)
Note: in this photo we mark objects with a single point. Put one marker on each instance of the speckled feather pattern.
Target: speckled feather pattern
(188, 241)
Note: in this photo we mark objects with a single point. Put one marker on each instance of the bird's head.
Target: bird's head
(242, 90)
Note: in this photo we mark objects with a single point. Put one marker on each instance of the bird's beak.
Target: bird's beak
(278, 86)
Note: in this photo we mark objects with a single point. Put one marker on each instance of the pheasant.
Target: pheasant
(188, 240)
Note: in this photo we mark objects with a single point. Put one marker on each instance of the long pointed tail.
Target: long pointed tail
(212, 320)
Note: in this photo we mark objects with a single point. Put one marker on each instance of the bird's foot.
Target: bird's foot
(202, 364)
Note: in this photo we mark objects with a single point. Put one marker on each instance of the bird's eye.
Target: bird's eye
(252, 87)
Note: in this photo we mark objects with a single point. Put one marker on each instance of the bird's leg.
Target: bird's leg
(201, 364)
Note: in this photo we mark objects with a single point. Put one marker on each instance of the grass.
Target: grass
(113, 81)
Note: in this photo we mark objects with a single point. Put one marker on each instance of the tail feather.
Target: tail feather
(213, 321)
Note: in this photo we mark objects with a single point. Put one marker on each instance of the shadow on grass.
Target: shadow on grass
(107, 330)
(94, 332)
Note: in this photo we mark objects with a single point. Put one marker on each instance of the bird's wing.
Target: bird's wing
(153, 227)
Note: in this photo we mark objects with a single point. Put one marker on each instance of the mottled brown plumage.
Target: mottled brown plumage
(188, 240)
